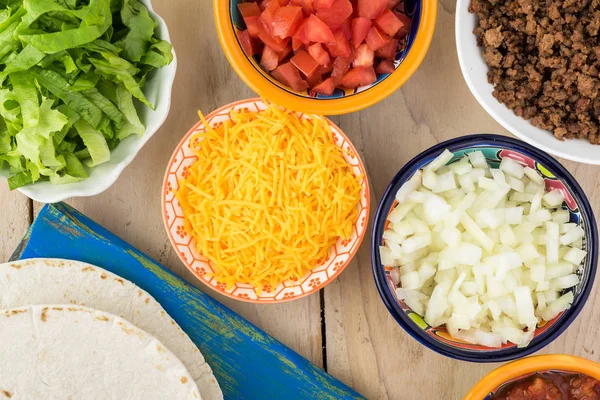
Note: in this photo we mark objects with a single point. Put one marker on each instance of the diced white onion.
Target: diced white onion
(440, 161)
(487, 183)
(575, 256)
(515, 184)
(410, 280)
(444, 183)
(554, 199)
(561, 216)
(512, 168)
(477, 159)
(534, 175)
(571, 236)
(412, 184)
(486, 251)
(462, 167)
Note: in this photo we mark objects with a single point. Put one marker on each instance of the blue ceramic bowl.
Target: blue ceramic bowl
(556, 177)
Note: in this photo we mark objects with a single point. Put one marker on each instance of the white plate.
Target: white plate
(158, 91)
(475, 71)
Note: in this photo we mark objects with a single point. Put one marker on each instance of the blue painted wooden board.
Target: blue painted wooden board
(248, 363)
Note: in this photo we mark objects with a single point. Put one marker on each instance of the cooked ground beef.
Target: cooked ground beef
(544, 60)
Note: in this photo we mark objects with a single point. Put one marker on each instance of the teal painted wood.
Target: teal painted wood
(248, 363)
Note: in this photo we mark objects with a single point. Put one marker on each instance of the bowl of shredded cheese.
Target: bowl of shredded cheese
(264, 204)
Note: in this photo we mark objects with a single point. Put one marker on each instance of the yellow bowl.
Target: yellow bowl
(523, 368)
(349, 101)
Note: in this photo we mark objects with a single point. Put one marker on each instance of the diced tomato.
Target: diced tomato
(248, 10)
(250, 45)
(347, 28)
(389, 23)
(324, 44)
(326, 87)
(402, 32)
(300, 35)
(360, 76)
(296, 43)
(285, 52)
(335, 15)
(319, 54)
(340, 47)
(266, 3)
(385, 67)
(307, 6)
(393, 4)
(316, 30)
(389, 50)
(364, 56)
(314, 79)
(274, 43)
(322, 4)
(286, 21)
(269, 59)
(304, 62)
(376, 39)
(289, 75)
(360, 28)
(341, 65)
(253, 25)
(371, 9)
(326, 69)
(268, 15)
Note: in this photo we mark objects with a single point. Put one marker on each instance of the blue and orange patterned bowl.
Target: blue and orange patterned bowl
(229, 22)
(556, 176)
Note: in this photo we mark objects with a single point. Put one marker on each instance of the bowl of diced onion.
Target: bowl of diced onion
(484, 248)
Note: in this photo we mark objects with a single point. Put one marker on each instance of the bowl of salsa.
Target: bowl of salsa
(547, 377)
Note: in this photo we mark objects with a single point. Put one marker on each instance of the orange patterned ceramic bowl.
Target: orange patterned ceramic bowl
(496, 380)
(339, 255)
(229, 22)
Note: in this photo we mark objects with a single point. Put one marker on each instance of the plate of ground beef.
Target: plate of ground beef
(534, 65)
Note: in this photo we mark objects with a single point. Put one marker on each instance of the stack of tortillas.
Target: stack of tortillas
(70, 330)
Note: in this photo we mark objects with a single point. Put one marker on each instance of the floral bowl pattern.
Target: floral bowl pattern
(495, 148)
(339, 256)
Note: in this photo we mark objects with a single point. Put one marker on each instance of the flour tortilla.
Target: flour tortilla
(55, 281)
(74, 352)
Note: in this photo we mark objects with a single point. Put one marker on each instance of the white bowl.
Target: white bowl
(475, 71)
(158, 91)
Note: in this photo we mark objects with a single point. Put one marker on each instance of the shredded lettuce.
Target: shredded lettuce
(71, 72)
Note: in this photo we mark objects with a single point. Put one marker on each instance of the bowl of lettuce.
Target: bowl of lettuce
(84, 84)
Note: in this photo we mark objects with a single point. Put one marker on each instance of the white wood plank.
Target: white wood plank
(15, 219)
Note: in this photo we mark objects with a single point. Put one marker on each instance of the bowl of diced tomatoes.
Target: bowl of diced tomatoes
(325, 56)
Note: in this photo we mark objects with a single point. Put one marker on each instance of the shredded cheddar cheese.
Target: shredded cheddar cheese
(270, 193)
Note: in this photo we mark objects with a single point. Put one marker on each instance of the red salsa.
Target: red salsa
(551, 386)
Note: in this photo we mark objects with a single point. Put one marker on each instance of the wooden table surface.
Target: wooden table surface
(345, 329)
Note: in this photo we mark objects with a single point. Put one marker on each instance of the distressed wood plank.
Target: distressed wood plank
(247, 363)
(15, 219)
(131, 208)
(366, 348)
